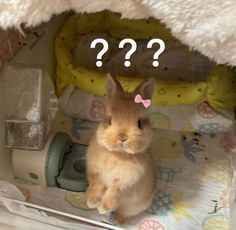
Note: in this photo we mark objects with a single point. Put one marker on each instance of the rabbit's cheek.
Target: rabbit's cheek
(139, 143)
(112, 141)
(106, 139)
(134, 142)
(134, 146)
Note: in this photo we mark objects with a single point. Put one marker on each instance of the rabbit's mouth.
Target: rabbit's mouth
(130, 146)
(124, 147)
(120, 148)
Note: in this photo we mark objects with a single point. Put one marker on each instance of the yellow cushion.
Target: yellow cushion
(219, 91)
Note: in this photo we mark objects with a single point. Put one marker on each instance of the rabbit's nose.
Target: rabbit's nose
(122, 137)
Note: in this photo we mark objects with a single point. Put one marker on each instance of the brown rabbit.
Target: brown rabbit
(120, 171)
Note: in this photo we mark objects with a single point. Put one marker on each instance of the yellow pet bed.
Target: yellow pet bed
(219, 90)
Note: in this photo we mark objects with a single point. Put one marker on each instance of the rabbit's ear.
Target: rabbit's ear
(145, 89)
(113, 87)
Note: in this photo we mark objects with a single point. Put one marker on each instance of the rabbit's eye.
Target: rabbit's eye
(109, 118)
(140, 125)
(143, 122)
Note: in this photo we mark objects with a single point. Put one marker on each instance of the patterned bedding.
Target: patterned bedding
(195, 187)
(194, 182)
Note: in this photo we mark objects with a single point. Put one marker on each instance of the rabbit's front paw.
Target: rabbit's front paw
(93, 199)
(93, 203)
(107, 206)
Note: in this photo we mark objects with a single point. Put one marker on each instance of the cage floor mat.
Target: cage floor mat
(194, 185)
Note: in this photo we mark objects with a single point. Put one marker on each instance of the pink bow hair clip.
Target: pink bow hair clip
(138, 99)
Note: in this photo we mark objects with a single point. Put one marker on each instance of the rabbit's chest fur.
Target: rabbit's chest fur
(116, 166)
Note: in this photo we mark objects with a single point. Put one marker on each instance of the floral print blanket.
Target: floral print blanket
(194, 183)
(195, 188)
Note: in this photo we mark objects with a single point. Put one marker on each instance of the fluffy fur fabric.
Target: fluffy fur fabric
(207, 26)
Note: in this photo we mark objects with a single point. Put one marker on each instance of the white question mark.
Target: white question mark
(102, 51)
(130, 52)
(155, 63)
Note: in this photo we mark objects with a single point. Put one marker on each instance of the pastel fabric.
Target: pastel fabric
(195, 189)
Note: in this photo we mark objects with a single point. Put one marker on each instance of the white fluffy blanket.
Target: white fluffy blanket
(208, 26)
